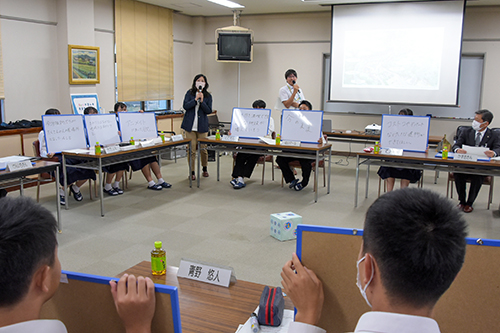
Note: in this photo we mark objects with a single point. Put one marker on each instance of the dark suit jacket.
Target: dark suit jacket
(467, 136)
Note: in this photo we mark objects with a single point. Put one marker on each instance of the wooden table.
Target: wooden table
(13, 178)
(422, 161)
(313, 151)
(205, 307)
(96, 162)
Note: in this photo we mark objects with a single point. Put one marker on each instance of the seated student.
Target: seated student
(305, 164)
(75, 177)
(245, 163)
(112, 170)
(30, 272)
(146, 164)
(407, 176)
(413, 248)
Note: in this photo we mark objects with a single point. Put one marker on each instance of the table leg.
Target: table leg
(58, 205)
(317, 177)
(101, 192)
(65, 183)
(367, 179)
(21, 186)
(218, 164)
(329, 168)
(189, 167)
(357, 183)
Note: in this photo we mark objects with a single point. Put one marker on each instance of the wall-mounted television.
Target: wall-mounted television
(234, 46)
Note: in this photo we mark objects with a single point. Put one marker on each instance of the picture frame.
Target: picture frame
(83, 64)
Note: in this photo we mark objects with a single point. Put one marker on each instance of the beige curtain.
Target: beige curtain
(144, 51)
(2, 91)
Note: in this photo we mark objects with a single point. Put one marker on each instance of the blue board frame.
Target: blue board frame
(161, 288)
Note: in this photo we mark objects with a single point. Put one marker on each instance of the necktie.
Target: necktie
(478, 139)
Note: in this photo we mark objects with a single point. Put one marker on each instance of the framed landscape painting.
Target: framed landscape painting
(83, 64)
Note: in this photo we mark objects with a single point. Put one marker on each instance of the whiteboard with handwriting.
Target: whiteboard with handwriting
(63, 132)
(250, 123)
(101, 128)
(301, 125)
(410, 133)
(138, 125)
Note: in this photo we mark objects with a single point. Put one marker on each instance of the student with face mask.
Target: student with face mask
(198, 105)
(403, 286)
(480, 136)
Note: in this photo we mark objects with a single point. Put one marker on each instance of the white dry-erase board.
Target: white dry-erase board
(410, 133)
(137, 125)
(301, 125)
(63, 132)
(81, 101)
(101, 128)
(250, 123)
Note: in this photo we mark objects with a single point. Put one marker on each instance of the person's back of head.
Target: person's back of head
(406, 112)
(259, 104)
(90, 110)
(417, 238)
(27, 241)
(52, 111)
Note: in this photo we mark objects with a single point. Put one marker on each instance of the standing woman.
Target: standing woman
(198, 104)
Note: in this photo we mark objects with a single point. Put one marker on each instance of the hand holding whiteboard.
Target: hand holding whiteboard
(63, 132)
(410, 133)
(301, 125)
(138, 125)
(101, 128)
(250, 123)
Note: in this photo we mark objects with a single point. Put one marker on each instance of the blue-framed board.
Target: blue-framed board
(85, 304)
(64, 132)
(470, 305)
(250, 123)
(81, 101)
(301, 125)
(410, 133)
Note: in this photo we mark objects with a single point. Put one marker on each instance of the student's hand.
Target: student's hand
(273, 135)
(50, 155)
(119, 133)
(489, 153)
(141, 111)
(228, 132)
(304, 289)
(134, 302)
(199, 96)
(296, 88)
(461, 151)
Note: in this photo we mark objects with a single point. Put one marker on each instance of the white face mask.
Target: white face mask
(358, 282)
(200, 84)
(476, 125)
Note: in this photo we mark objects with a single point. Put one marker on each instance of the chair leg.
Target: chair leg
(90, 189)
(315, 189)
(38, 188)
(263, 171)
(379, 186)
(490, 196)
(272, 168)
(324, 176)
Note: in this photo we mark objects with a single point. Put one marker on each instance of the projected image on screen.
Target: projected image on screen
(405, 59)
(406, 53)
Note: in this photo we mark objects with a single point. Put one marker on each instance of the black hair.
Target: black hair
(52, 111)
(290, 72)
(88, 109)
(306, 103)
(120, 105)
(417, 238)
(259, 104)
(406, 112)
(194, 88)
(27, 241)
(486, 115)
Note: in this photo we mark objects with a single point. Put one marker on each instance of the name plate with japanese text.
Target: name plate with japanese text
(204, 273)
(15, 166)
(177, 137)
(465, 157)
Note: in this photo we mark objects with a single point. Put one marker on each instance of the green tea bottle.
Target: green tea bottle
(158, 260)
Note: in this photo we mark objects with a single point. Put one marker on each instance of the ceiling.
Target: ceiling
(206, 8)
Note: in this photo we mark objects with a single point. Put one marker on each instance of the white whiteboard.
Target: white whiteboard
(250, 123)
(81, 101)
(101, 128)
(139, 125)
(63, 132)
(301, 125)
(409, 133)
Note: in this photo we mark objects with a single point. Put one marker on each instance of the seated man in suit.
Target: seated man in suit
(30, 272)
(413, 248)
(480, 136)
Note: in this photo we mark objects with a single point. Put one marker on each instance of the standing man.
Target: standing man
(480, 136)
(291, 95)
(413, 248)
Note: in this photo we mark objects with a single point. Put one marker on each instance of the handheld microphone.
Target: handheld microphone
(200, 88)
(293, 81)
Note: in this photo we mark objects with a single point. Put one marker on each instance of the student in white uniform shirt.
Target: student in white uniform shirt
(413, 248)
(30, 272)
(291, 95)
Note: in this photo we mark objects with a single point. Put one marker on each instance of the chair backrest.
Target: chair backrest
(36, 148)
(213, 120)
(459, 129)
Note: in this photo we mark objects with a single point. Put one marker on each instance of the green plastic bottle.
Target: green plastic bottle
(278, 140)
(97, 148)
(132, 141)
(376, 149)
(158, 260)
(217, 135)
